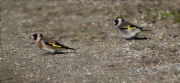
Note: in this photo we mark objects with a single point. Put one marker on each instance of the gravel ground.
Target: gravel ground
(102, 55)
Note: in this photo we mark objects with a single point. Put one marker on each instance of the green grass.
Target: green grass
(176, 17)
(154, 13)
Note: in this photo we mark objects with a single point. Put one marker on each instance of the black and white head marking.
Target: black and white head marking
(118, 21)
(37, 36)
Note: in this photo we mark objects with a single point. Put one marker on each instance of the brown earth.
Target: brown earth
(102, 55)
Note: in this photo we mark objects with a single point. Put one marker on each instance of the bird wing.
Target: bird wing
(128, 25)
(50, 42)
(53, 43)
(63, 46)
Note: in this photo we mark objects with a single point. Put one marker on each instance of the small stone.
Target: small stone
(144, 25)
(172, 45)
(48, 78)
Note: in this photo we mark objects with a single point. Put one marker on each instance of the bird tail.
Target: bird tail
(146, 30)
(65, 47)
(143, 29)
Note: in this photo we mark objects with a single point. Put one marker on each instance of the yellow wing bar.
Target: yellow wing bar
(53, 44)
(130, 28)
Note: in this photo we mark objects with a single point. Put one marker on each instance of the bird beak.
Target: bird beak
(114, 23)
(31, 37)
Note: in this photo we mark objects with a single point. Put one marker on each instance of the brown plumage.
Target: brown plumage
(48, 44)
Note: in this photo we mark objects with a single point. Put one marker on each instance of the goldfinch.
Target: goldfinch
(48, 44)
(127, 29)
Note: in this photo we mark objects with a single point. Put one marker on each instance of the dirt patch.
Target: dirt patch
(102, 55)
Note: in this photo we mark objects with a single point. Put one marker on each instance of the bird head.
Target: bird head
(36, 36)
(118, 21)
